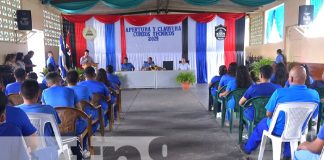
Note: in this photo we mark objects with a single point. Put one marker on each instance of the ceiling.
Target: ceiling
(163, 6)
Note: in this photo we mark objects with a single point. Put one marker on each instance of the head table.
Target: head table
(150, 79)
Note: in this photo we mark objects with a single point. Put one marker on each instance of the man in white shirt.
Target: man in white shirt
(184, 65)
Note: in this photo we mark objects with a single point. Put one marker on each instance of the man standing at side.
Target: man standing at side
(51, 60)
(28, 63)
(126, 66)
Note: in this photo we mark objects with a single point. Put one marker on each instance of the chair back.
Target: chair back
(259, 104)
(15, 99)
(320, 92)
(322, 154)
(96, 98)
(237, 94)
(297, 115)
(221, 90)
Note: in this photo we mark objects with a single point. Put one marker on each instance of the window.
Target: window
(256, 29)
(274, 24)
(8, 25)
(52, 28)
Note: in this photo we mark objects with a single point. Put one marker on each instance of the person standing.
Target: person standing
(28, 63)
(184, 65)
(20, 60)
(126, 66)
(86, 60)
(51, 60)
(148, 64)
(280, 57)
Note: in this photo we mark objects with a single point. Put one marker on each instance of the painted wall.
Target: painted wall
(297, 48)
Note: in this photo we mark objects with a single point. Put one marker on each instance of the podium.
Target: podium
(84, 66)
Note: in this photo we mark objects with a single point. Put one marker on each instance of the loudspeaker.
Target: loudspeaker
(24, 20)
(168, 65)
(306, 14)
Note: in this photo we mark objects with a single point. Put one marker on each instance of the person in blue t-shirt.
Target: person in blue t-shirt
(14, 88)
(51, 60)
(112, 78)
(221, 71)
(309, 79)
(30, 92)
(242, 80)
(311, 150)
(280, 57)
(126, 66)
(229, 76)
(147, 64)
(264, 88)
(96, 87)
(280, 75)
(297, 92)
(318, 83)
(57, 95)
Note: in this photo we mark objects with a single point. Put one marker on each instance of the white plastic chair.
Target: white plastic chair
(322, 154)
(39, 120)
(296, 115)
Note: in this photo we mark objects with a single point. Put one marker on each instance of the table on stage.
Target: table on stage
(150, 79)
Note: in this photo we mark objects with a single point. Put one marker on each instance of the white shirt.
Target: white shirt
(184, 66)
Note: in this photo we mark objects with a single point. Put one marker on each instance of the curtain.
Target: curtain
(122, 39)
(239, 44)
(280, 19)
(201, 32)
(118, 45)
(110, 45)
(203, 17)
(69, 37)
(75, 7)
(90, 43)
(202, 2)
(80, 42)
(185, 39)
(139, 20)
(107, 18)
(252, 3)
(192, 43)
(100, 44)
(318, 4)
(171, 18)
(269, 24)
(122, 4)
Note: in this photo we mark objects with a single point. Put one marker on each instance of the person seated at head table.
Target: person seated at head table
(57, 95)
(297, 92)
(96, 87)
(311, 150)
(280, 75)
(30, 92)
(318, 83)
(114, 79)
(51, 60)
(184, 65)
(263, 88)
(147, 64)
(14, 88)
(309, 79)
(229, 76)
(126, 66)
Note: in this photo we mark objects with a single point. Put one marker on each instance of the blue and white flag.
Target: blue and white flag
(62, 58)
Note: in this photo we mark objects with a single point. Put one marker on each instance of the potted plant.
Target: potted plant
(257, 65)
(186, 79)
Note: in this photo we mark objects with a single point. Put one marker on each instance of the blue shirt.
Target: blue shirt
(127, 67)
(50, 60)
(311, 81)
(81, 93)
(7, 130)
(214, 80)
(279, 59)
(13, 88)
(18, 117)
(146, 64)
(225, 79)
(113, 79)
(59, 96)
(231, 86)
(262, 89)
(95, 87)
(295, 93)
(320, 134)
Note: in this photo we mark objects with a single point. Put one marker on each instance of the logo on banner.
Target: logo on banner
(220, 32)
(89, 33)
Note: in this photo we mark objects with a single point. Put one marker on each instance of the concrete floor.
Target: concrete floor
(182, 122)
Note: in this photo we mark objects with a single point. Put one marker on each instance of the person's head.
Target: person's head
(19, 56)
(110, 69)
(32, 75)
(3, 104)
(307, 82)
(265, 73)
(30, 91)
(90, 73)
(50, 54)
(30, 54)
(183, 60)
(222, 70)
(53, 79)
(243, 78)
(10, 58)
(20, 74)
(50, 68)
(280, 74)
(125, 60)
(86, 52)
(149, 60)
(297, 75)
(279, 51)
(72, 77)
(102, 77)
(232, 69)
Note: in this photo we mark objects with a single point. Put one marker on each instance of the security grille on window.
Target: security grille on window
(52, 28)
(8, 25)
(256, 29)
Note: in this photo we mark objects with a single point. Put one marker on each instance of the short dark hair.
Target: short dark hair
(266, 71)
(29, 89)
(30, 52)
(110, 69)
(3, 102)
(53, 77)
(232, 69)
(150, 58)
(19, 56)
(279, 51)
(126, 58)
(222, 70)
(50, 68)
(89, 72)
(32, 75)
(20, 74)
(72, 77)
(86, 51)
(49, 52)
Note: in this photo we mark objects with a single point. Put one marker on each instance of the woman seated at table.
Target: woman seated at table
(148, 64)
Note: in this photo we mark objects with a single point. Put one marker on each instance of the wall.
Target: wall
(297, 48)
(37, 19)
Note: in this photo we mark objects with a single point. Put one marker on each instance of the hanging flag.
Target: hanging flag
(67, 40)
(62, 58)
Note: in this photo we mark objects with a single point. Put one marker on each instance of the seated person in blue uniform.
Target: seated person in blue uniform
(57, 95)
(309, 79)
(231, 72)
(50, 68)
(96, 87)
(14, 88)
(242, 80)
(318, 83)
(126, 66)
(311, 150)
(280, 75)
(297, 92)
(147, 64)
(213, 89)
(112, 78)
(30, 92)
(51, 60)
(280, 57)
(264, 88)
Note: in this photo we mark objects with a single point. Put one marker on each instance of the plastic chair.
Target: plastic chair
(258, 104)
(96, 98)
(210, 100)
(218, 100)
(320, 112)
(39, 120)
(237, 94)
(296, 115)
(15, 99)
